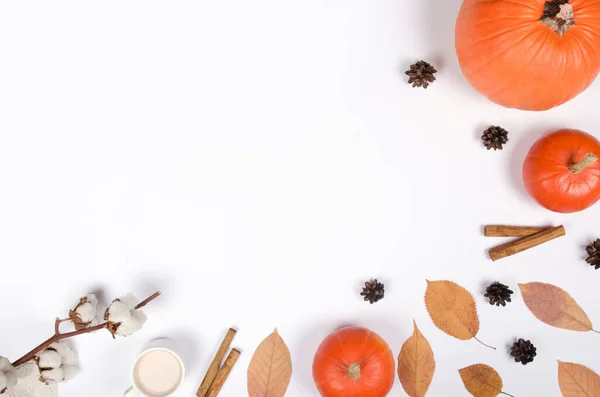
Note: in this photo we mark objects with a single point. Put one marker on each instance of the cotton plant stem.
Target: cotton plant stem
(213, 369)
(148, 300)
(223, 373)
(58, 322)
(60, 336)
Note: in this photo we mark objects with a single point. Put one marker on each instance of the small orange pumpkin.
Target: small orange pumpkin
(529, 54)
(562, 171)
(354, 362)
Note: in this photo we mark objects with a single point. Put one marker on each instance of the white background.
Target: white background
(256, 161)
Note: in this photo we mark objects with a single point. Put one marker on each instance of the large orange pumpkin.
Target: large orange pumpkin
(562, 171)
(529, 54)
(354, 362)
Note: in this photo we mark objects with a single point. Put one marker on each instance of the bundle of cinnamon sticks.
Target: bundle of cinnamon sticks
(216, 375)
(529, 237)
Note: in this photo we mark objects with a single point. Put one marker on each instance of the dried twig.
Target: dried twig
(60, 336)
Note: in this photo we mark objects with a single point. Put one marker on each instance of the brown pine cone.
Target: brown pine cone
(593, 251)
(373, 291)
(494, 137)
(523, 351)
(498, 294)
(421, 74)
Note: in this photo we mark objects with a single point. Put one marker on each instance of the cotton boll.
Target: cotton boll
(53, 375)
(65, 352)
(49, 359)
(86, 312)
(134, 324)
(11, 379)
(69, 372)
(26, 369)
(92, 299)
(129, 301)
(3, 382)
(5, 365)
(118, 312)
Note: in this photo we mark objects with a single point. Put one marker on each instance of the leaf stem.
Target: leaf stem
(506, 394)
(598, 332)
(59, 336)
(491, 347)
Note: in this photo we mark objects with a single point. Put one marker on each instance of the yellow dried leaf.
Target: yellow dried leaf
(576, 380)
(482, 380)
(554, 306)
(452, 309)
(416, 364)
(270, 369)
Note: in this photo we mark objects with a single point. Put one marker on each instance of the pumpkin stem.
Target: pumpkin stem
(588, 160)
(354, 371)
(558, 15)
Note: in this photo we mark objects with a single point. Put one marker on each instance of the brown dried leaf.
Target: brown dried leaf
(481, 380)
(416, 364)
(270, 369)
(554, 306)
(452, 309)
(576, 380)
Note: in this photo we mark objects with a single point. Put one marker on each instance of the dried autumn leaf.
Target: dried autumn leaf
(554, 306)
(270, 369)
(482, 380)
(416, 364)
(452, 309)
(576, 380)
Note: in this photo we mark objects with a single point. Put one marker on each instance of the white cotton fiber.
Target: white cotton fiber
(49, 359)
(53, 375)
(3, 382)
(134, 324)
(118, 312)
(69, 372)
(4, 364)
(129, 301)
(65, 352)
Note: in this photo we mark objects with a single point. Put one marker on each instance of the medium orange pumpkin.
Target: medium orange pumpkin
(529, 54)
(354, 362)
(562, 171)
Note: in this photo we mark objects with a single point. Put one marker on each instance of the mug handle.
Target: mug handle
(131, 392)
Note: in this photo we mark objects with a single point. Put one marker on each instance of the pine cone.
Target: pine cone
(523, 351)
(421, 74)
(498, 294)
(373, 291)
(593, 251)
(494, 137)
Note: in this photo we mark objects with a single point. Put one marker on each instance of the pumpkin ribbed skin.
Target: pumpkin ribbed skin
(352, 346)
(509, 55)
(546, 173)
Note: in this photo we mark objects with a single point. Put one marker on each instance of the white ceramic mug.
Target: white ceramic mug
(158, 371)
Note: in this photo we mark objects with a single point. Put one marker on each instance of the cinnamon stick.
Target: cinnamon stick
(223, 373)
(511, 231)
(213, 369)
(522, 244)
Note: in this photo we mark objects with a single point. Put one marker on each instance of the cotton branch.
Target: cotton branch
(60, 336)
